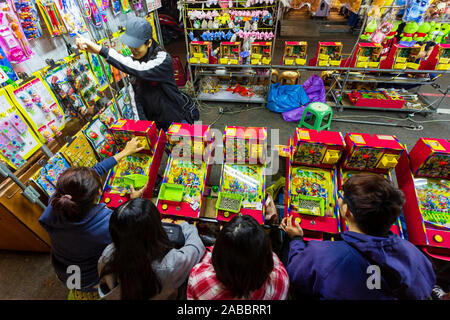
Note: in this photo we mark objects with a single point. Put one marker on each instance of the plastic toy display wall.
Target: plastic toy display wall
(17, 141)
(38, 104)
(242, 182)
(373, 154)
(311, 181)
(424, 178)
(295, 53)
(137, 169)
(183, 186)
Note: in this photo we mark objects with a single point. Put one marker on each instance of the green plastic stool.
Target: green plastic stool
(319, 111)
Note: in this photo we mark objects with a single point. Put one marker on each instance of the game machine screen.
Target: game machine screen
(424, 178)
(200, 52)
(230, 53)
(329, 54)
(311, 181)
(261, 53)
(370, 154)
(294, 53)
(137, 169)
(183, 187)
(242, 182)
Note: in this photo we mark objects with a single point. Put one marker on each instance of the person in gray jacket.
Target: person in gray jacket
(142, 263)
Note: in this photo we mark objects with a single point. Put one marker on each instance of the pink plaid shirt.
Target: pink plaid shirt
(203, 283)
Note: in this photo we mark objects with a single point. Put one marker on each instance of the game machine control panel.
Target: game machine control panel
(137, 169)
(373, 154)
(424, 178)
(311, 181)
(242, 182)
(183, 188)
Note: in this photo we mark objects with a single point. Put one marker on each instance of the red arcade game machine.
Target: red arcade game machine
(375, 154)
(183, 186)
(136, 169)
(242, 182)
(311, 181)
(424, 178)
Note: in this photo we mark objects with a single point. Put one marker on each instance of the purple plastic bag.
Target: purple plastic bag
(315, 90)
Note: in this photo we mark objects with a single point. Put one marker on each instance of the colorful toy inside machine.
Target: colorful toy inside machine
(329, 54)
(100, 139)
(311, 182)
(230, 53)
(184, 183)
(295, 53)
(200, 51)
(137, 169)
(367, 154)
(17, 141)
(261, 53)
(40, 107)
(242, 183)
(12, 38)
(424, 178)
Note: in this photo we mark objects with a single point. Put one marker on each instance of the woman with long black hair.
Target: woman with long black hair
(142, 263)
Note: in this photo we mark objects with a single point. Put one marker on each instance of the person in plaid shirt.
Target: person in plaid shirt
(241, 265)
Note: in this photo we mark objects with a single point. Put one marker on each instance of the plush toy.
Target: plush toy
(393, 32)
(408, 32)
(380, 34)
(415, 10)
(370, 28)
(444, 31)
(434, 32)
(422, 32)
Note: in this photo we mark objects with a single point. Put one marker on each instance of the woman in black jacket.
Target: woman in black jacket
(152, 77)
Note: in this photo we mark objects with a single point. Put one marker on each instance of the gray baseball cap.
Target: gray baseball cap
(137, 32)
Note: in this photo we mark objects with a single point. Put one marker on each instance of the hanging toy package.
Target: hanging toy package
(72, 18)
(125, 6)
(116, 7)
(52, 17)
(28, 17)
(12, 38)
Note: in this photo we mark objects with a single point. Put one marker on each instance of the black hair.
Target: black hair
(77, 190)
(374, 202)
(139, 239)
(242, 256)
